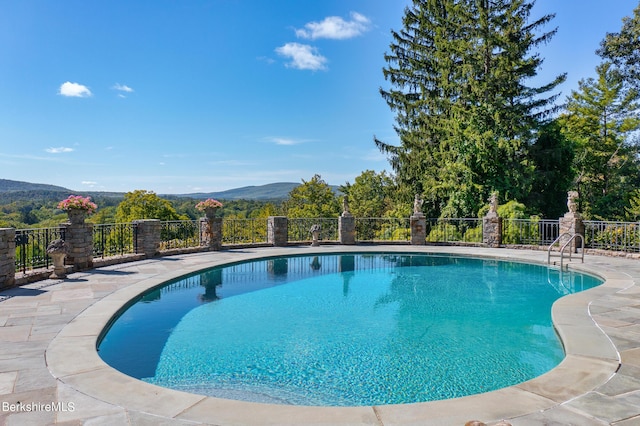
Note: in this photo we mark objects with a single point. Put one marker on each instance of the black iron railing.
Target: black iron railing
(374, 229)
(31, 247)
(114, 239)
(609, 235)
(121, 238)
(179, 234)
(530, 231)
(299, 229)
(454, 230)
(244, 231)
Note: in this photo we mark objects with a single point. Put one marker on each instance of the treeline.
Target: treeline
(40, 211)
(371, 194)
(470, 123)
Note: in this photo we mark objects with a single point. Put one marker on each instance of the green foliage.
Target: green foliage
(268, 209)
(452, 230)
(616, 236)
(370, 195)
(26, 213)
(473, 235)
(600, 118)
(622, 48)
(552, 155)
(512, 210)
(444, 232)
(458, 73)
(141, 204)
(513, 230)
(314, 198)
(633, 211)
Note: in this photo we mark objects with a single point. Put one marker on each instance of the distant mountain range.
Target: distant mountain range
(14, 185)
(11, 190)
(271, 191)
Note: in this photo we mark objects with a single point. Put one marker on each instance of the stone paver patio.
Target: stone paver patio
(50, 372)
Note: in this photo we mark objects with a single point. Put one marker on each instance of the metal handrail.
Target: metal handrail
(573, 237)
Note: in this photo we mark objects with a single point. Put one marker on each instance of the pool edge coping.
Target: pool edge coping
(584, 367)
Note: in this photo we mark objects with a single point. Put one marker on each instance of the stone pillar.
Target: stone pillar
(78, 238)
(492, 230)
(492, 224)
(347, 229)
(211, 232)
(278, 231)
(571, 223)
(148, 236)
(7, 257)
(418, 229)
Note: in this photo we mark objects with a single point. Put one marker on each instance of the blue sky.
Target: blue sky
(199, 96)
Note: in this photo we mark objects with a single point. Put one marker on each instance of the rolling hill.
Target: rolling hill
(11, 190)
(7, 185)
(271, 191)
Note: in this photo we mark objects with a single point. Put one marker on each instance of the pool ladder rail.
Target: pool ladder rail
(568, 243)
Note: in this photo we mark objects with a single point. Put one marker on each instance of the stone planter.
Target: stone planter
(210, 212)
(57, 250)
(76, 216)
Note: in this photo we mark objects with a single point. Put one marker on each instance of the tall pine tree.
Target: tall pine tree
(601, 118)
(623, 49)
(458, 74)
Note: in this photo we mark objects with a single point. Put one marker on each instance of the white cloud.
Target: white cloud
(303, 56)
(89, 182)
(334, 27)
(58, 150)
(122, 88)
(74, 90)
(285, 141)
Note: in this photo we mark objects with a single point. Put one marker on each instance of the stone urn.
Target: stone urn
(76, 216)
(57, 250)
(315, 233)
(210, 212)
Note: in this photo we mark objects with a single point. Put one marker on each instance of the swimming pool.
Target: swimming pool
(351, 329)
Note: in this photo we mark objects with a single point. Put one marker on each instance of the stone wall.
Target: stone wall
(7, 257)
(571, 224)
(148, 237)
(278, 231)
(347, 229)
(211, 232)
(418, 223)
(79, 240)
(492, 230)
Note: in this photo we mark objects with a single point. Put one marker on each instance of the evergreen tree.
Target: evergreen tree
(552, 155)
(464, 114)
(601, 118)
(623, 48)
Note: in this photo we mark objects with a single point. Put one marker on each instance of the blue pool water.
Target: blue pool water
(345, 330)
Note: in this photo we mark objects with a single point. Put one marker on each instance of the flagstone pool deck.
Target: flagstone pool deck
(50, 372)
